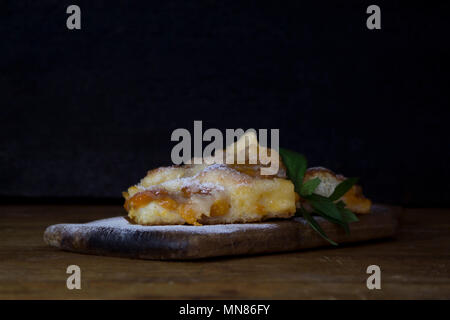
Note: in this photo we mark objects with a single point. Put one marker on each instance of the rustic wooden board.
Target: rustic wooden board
(118, 237)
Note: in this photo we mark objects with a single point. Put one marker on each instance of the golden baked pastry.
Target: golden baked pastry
(211, 193)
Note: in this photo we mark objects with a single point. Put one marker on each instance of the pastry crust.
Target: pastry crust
(208, 194)
(212, 193)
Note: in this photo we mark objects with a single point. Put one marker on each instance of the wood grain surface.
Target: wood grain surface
(416, 264)
(117, 236)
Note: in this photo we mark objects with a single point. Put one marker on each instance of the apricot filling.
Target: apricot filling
(143, 198)
(188, 214)
(184, 208)
(219, 208)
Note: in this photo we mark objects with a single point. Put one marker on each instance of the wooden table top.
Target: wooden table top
(414, 265)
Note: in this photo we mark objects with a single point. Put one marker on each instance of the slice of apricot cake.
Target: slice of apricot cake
(212, 193)
(215, 193)
(208, 194)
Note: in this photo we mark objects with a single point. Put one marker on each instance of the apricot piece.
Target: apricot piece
(219, 208)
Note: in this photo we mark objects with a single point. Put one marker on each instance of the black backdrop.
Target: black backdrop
(85, 113)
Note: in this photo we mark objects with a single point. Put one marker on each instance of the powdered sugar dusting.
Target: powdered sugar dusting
(189, 182)
(216, 166)
(122, 224)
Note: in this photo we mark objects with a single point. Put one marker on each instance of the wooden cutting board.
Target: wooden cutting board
(118, 237)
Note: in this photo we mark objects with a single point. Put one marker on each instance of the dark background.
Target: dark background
(85, 113)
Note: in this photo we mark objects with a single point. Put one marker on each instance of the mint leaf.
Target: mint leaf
(340, 204)
(296, 165)
(342, 188)
(309, 186)
(326, 207)
(315, 226)
(348, 215)
(343, 224)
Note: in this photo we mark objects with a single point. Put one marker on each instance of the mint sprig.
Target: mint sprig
(326, 207)
(309, 186)
(342, 188)
(315, 226)
(296, 165)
